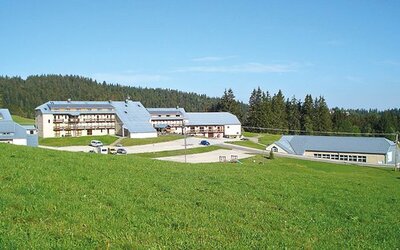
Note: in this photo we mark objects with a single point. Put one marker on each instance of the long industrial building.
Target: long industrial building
(372, 150)
(129, 119)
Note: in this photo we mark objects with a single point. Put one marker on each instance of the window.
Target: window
(274, 149)
(48, 121)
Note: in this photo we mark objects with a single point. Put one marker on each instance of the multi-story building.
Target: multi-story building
(78, 118)
(169, 120)
(207, 124)
(12, 132)
(129, 119)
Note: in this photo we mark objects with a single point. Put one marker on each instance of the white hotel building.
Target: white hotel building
(128, 119)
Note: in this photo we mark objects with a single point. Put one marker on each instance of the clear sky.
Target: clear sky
(347, 51)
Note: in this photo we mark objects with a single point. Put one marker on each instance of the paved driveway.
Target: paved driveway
(208, 157)
(191, 142)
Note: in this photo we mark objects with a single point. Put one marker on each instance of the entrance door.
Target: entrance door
(89, 132)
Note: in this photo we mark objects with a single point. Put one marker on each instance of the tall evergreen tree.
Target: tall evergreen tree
(293, 110)
(228, 102)
(322, 117)
(279, 111)
(307, 111)
(254, 115)
(266, 111)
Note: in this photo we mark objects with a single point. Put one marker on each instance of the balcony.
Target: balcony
(74, 120)
(58, 121)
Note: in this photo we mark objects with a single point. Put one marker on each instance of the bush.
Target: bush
(271, 155)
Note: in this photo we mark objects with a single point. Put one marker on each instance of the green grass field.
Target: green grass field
(76, 141)
(143, 141)
(248, 144)
(180, 152)
(63, 200)
(22, 120)
(268, 139)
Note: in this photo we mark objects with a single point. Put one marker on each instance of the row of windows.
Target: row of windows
(170, 115)
(355, 158)
(84, 116)
(7, 133)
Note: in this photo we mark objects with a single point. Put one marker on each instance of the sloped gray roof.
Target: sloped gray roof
(164, 111)
(7, 125)
(48, 107)
(134, 116)
(211, 118)
(298, 144)
(5, 115)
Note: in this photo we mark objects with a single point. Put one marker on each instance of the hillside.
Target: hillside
(23, 96)
(52, 199)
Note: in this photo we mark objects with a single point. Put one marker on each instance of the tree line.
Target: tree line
(312, 116)
(264, 110)
(23, 96)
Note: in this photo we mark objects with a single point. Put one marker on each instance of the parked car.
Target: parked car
(205, 143)
(244, 139)
(96, 143)
(119, 145)
(101, 150)
(121, 151)
(112, 151)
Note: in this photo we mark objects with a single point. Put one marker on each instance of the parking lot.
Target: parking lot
(191, 142)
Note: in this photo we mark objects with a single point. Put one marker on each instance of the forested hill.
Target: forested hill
(22, 96)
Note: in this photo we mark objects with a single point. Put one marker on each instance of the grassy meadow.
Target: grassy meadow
(76, 141)
(63, 200)
(22, 120)
(263, 140)
(249, 144)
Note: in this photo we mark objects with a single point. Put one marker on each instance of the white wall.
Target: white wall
(19, 142)
(280, 150)
(143, 135)
(233, 130)
(44, 127)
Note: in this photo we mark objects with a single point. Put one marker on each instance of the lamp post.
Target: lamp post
(184, 136)
(396, 153)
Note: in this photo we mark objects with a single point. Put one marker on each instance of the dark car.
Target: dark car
(205, 143)
(121, 151)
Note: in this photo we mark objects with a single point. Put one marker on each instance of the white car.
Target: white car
(101, 150)
(96, 143)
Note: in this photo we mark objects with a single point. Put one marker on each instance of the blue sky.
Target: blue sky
(347, 51)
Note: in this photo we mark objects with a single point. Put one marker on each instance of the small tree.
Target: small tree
(271, 155)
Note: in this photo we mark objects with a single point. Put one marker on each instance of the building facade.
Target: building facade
(13, 133)
(205, 124)
(77, 118)
(371, 150)
(129, 119)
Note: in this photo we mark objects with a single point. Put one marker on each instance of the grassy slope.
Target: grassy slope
(23, 121)
(51, 199)
(180, 152)
(142, 141)
(248, 144)
(268, 139)
(76, 141)
(263, 140)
